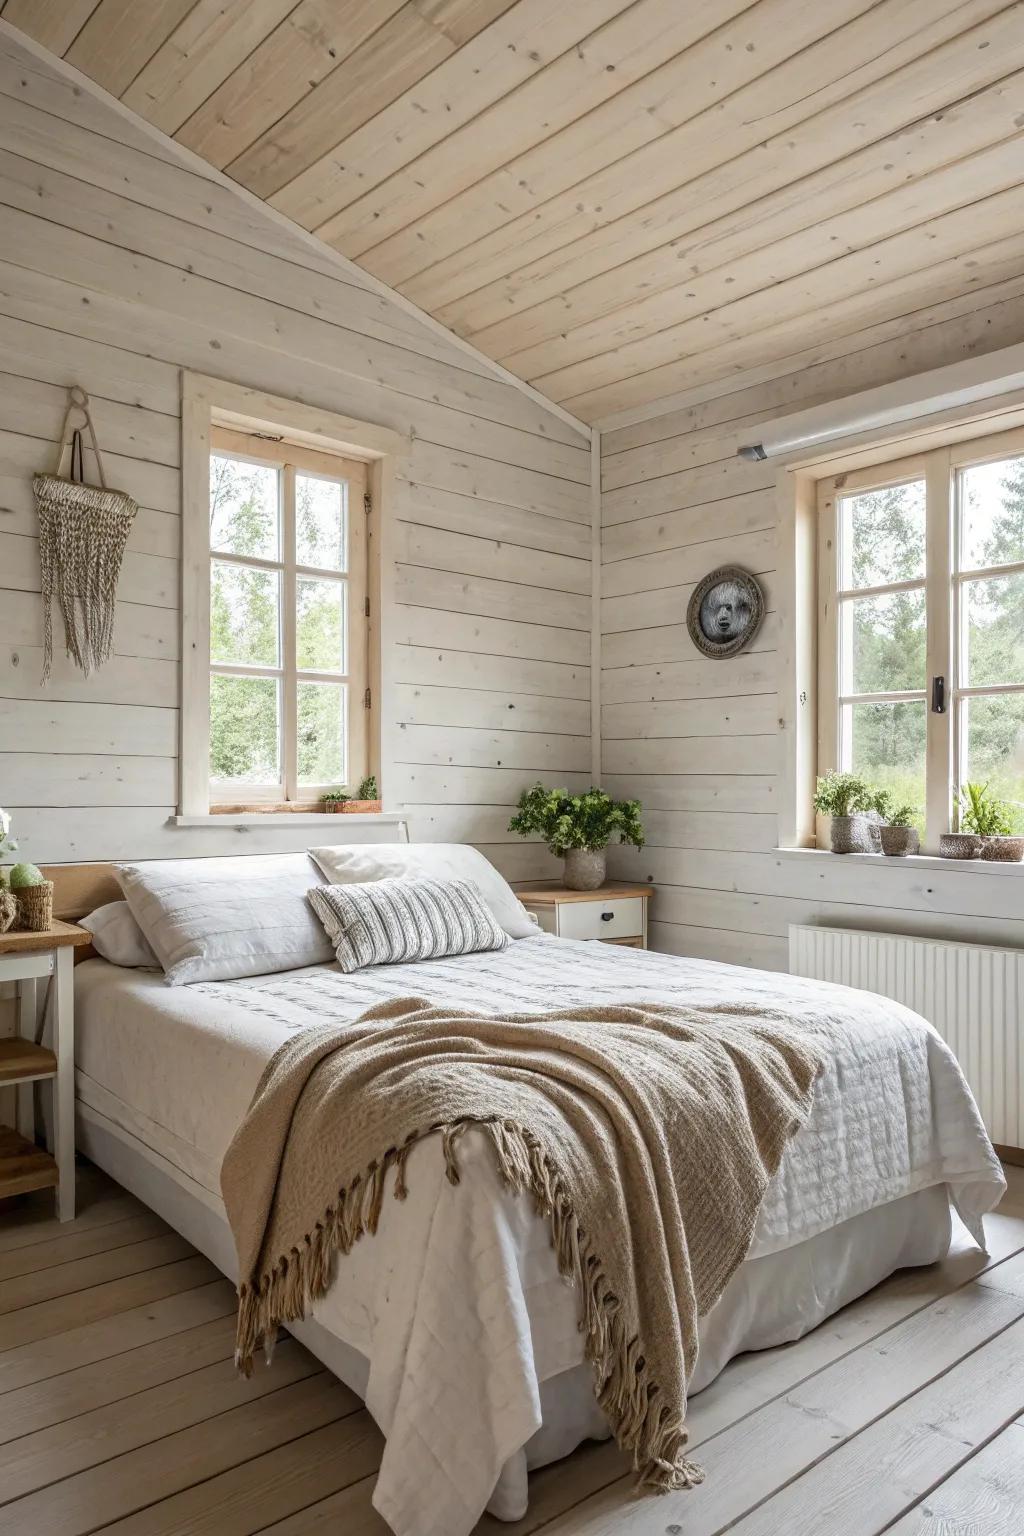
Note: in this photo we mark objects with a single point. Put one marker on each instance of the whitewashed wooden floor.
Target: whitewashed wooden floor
(120, 1410)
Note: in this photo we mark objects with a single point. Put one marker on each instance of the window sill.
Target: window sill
(923, 861)
(290, 819)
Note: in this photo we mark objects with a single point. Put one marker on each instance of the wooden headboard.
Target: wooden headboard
(80, 888)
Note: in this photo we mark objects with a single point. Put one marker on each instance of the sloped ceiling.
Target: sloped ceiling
(615, 201)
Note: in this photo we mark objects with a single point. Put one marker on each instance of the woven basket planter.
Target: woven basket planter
(8, 909)
(35, 907)
(856, 834)
(897, 842)
(360, 807)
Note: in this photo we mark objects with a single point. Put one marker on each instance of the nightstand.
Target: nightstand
(28, 958)
(615, 913)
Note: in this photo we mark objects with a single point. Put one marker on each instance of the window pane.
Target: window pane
(321, 733)
(245, 729)
(244, 623)
(320, 624)
(244, 502)
(321, 523)
(992, 514)
(882, 536)
(886, 744)
(883, 643)
(993, 731)
(994, 615)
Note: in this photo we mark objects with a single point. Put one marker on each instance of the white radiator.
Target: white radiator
(971, 993)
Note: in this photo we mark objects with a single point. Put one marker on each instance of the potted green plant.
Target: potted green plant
(853, 808)
(578, 829)
(365, 801)
(34, 896)
(986, 829)
(334, 800)
(898, 833)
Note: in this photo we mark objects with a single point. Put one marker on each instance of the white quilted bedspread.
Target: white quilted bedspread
(436, 1302)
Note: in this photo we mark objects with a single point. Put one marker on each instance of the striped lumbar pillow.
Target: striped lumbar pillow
(388, 921)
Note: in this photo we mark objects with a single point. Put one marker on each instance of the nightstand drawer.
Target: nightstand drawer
(611, 918)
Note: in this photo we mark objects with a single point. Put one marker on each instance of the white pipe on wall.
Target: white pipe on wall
(963, 383)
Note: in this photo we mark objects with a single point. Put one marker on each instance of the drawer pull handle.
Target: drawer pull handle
(606, 917)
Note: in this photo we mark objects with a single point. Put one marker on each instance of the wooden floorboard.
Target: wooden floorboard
(121, 1412)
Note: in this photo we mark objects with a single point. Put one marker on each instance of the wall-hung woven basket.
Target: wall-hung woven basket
(83, 530)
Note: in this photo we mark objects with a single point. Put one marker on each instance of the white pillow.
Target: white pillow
(217, 919)
(390, 922)
(117, 936)
(361, 863)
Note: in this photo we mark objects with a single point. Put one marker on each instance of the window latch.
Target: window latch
(938, 695)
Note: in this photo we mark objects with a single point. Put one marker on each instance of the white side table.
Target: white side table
(615, 913)
(27, 959)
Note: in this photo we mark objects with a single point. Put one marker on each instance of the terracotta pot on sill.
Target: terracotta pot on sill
(360, 807)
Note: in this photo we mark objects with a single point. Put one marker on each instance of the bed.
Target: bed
(452, 1322)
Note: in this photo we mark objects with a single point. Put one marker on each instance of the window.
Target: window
(921, 626)
(288, 620)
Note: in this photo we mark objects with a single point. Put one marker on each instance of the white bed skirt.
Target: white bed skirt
(771, 1300)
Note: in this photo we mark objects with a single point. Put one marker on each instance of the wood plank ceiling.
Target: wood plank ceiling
(617, 201)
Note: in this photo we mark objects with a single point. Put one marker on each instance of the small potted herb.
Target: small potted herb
(334, 801)
(898, 833)
(986, 830)
(365, 801)
(578, 829)
(34, 895)
(853, 808)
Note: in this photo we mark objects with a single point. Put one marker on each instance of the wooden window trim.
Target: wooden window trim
(315, 439)
(946, 747)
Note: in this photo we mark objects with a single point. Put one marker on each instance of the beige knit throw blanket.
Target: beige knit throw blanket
(646, 1136)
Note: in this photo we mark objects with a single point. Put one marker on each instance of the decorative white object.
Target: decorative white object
(83, 530)
(358, 864)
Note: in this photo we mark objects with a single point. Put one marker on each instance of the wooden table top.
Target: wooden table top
(20, 941)
(548, 892)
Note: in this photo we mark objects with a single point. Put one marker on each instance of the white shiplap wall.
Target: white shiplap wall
(118, 268)
(697, 740)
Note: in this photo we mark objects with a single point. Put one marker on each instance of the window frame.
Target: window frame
(291, 460)
(946, 745)
(206, 404)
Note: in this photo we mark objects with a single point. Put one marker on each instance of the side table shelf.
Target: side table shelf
(27, 959)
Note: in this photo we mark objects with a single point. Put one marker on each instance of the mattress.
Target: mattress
(456, 1304)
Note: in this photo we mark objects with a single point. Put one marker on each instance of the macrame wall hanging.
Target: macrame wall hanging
(83, 530)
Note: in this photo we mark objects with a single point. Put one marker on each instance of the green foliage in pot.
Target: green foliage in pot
(844, 794)
(902, 816)
(982, 813)
(565, 821)
(367, 789)
(335, 797)
(22, 875)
